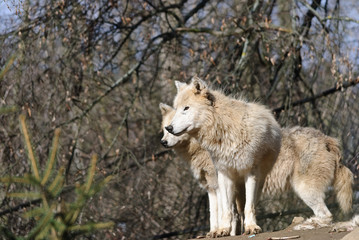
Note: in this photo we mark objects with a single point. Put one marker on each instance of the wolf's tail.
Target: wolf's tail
(343, 178)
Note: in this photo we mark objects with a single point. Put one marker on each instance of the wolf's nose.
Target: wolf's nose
(169, 128)
(164, 143)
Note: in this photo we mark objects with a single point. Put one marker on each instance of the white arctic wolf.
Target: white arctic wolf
(188, 149)
(242, 138)
(308, 162)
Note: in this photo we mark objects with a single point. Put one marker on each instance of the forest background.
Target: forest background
(97, 70)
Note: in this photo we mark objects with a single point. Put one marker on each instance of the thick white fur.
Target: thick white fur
(242, 138)
(308, 163)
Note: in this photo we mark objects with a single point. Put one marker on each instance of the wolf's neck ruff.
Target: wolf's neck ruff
(222, 138)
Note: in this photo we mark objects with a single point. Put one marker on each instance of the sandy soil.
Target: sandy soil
(315, 234)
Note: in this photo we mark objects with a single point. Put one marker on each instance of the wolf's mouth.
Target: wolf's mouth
(181, 132)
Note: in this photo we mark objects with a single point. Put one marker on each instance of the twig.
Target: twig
(346, 19)
(315, 97)
(109, 90)
(311, 9)
(307, 22)
(32, 202)
(210, 31)
(73, 152)
(8, 65)
(181, 232)
(283, 238)
(199, 6)
(316, 14)
(20, 206)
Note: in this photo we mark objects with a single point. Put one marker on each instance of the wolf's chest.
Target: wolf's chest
(236, 157)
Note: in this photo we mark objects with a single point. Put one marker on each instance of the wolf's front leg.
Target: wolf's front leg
(214, 220)
(250, 225)
(228, 220)
(213, 210)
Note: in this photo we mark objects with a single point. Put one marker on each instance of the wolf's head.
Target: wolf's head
(169, 140)
(192, 103)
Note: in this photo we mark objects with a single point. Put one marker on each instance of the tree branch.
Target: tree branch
(99, 98)
(307, 22)
(345, 19)
(210, 31)
(315, 97)
(195, 10)
(315, 13)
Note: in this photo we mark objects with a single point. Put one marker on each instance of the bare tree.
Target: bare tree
(99, 69)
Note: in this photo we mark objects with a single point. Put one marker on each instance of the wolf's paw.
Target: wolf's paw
(298, 220)
(304, 226)
(222, 232)
(211, 234)
(338, 228)
(313, 223)
(252, 229)
(342, 227)
(346, 226)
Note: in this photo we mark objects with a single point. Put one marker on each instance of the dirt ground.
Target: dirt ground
(315, 234)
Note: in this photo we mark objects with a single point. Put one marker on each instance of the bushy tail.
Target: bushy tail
(343, 179)
(343, 183)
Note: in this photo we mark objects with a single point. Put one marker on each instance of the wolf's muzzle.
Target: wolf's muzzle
(164, 143)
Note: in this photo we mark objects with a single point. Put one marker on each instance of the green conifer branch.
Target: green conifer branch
(57, 181)
(91, 226)
(15, 180)
(57, 221)
(41, 226)
(31, 195)
(91, 173)
(51, 160)
(30, 152)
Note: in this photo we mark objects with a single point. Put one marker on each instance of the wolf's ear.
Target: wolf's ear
(179, 85)
(201, 87)
(165, 108)
(211, 98)
(198, 84)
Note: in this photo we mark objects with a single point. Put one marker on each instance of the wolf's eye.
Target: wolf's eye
(185, 108)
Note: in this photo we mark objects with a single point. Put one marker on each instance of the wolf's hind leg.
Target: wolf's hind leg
(314, 198)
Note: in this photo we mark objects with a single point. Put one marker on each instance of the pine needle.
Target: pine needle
(51, 161)
(29, 147)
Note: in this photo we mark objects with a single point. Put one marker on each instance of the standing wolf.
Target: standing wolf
(308, 163)
(188, 149)
(242, 138)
